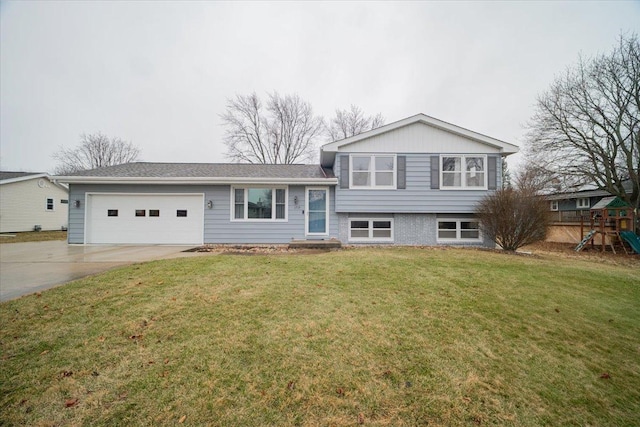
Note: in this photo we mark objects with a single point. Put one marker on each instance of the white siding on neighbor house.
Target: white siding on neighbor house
(418, 138)
(23, 204)
(218, 226)
(418, 197)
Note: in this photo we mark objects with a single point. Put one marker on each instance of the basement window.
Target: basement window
(369, 229)
(461, 230)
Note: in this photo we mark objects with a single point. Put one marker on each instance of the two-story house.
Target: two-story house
(412, 182)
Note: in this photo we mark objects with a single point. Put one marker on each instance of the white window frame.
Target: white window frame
(53, 204)
(458, 230)
(463, 172)
(232, 208)
(372, 172)
(370, 229)
(553, 205)
(580, 205)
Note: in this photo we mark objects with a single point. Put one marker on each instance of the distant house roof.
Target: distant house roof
(191, 173)
(578, 194)
(591, 192)
(7, 177)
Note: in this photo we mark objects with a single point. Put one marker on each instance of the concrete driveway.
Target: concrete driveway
(26, 268)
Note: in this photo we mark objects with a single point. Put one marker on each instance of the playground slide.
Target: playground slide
(632, 239)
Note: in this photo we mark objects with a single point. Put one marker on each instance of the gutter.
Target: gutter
(191, 180)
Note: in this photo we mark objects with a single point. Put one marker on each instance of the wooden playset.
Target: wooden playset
(612, 221)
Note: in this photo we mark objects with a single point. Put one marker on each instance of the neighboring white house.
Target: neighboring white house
(30, 199)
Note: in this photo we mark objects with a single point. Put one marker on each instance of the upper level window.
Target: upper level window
(466, 172)
(259, 203)
(49, 204)
(553, 205)
(583, 203)
(373, 171)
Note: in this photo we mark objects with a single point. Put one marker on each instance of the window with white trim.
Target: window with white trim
(463, 172)
(372, 171)
(553, 205)
(458, 230)
(583, 203)
(371, 229)
(259, 204)
(50, 204)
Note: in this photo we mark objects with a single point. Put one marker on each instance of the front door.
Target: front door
(317, 212)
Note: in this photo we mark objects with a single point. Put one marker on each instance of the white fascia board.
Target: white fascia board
(25, 178)
(191, 180)
(504, 147)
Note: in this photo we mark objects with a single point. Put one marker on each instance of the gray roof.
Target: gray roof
(11, 175)
(208, 170)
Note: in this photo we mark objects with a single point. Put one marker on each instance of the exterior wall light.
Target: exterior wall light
(77, 203)
(210, 204)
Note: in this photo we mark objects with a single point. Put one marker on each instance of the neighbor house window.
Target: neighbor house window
(458, 230)
(64, 201)
(466, 172)
(373, 171)
(364, 229)
(583, 203)
(553, 205)
(49, 204)
(259, 203)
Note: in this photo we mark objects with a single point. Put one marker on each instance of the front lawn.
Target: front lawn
(371, 336)
(32, 236)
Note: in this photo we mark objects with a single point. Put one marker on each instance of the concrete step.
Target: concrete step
(315, 244)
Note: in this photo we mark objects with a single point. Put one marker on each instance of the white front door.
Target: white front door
(317, 211)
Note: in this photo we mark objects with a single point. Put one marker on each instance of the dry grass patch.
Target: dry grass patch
(374, 336)
(33, 236)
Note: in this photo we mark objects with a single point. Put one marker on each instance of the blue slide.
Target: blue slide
(632, 239)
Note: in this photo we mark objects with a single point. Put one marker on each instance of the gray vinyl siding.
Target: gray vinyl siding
(218, 226)
(418, 197)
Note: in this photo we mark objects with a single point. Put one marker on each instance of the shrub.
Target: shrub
(513, 217)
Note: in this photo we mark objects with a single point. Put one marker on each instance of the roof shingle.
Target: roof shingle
(208, 170)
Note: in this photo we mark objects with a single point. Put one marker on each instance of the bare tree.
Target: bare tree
(95, 151)
(513, 217)
(586, 128)
(284, 131)
(351, 122)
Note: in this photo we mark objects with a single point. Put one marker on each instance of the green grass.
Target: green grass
(33, 236)
(378, 336)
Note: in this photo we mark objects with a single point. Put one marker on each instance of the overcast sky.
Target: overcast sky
(158, 74)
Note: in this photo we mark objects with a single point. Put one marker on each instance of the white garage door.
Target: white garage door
(145, 218)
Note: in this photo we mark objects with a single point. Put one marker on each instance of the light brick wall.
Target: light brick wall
(408, 229)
